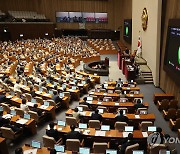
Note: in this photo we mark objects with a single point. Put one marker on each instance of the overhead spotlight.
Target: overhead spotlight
(115, 31)
(46, 34)
(21, 35)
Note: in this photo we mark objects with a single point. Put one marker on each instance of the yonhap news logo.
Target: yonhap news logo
(155, 139)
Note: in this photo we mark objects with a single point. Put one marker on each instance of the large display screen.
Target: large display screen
(81, 17)
(172, 52)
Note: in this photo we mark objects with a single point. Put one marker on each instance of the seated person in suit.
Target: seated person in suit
(52, 132)
(2, 120)
(73, 134)
(76, 114)
(118, 87)
(19, 151)
(23, 106)
(85, 102)
(126, 52)
(96, 116)
(121, 117)
(56, 97)
(128, 141)
(13, 127)
(2, 98)
(38, 111)
(139, 104)
(32, 92)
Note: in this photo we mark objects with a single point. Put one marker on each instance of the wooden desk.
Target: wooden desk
(30, 125)
(102, 94)
(132, 96)
(111, 116)
(161, 96)
(3, 146)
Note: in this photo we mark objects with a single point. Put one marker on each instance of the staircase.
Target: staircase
(145, 76)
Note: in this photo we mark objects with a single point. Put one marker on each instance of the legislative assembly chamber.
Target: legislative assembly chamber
(89, 77)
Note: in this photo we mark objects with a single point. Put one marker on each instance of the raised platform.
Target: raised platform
(103, 71)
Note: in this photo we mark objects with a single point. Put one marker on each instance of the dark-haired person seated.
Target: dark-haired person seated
(96, 116)
(2, 120)
(85, 102)
(127, 142)
(32, 92)
(56, 98)
(13, 127)
(38, 111)
(52, 132)
(121, 117)
(19, 151)
(139, 104)
(73, 134)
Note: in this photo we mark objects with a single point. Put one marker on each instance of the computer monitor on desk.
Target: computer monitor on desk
(36, 144)
(59, 148)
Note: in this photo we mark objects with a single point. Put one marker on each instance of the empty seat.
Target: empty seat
(85, 107)
(100, 147)
(170, 114)
(163, 105)
(50, 141)
(174, 125)
(144, 125)
(120, 125)
(156, 148)
(129, 149)
(39, 100)
(173, 104)
(19, 112)
(28, 97)
(94, 124)
(71, 121)
(72, 145)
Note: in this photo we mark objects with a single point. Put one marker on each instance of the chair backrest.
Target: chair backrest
(171, 114)
(95, 97)
(85, 107)
(39, 100)
(30, 83)
(118, 91)
(51, 102)
(177, 124)
(34, 115)
(145, 124)
(103, 90)
(5, 107)
(7, 133)
(18, 93)
(19, 112)
(129, 149)
(164, 104)
(28, 96)
(48, 141)
(44, 89)
(71, 121)
(157, 148)
(178, 114)
(99, 147)
(173, 104)
(120, 125)
(94, 124)
(123, 100)
(36, 87)
(123, 108)
(72, 145)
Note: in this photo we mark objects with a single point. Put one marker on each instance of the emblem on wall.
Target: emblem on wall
(144, 19)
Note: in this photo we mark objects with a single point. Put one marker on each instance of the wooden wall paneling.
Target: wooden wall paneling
(166, 83)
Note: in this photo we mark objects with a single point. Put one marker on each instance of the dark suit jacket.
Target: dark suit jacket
(33, 94)
(74, 135)
(96, 116)
(138, 105)
(56, 99)
(85, 103)
(38, 111)
(125, 145)
(53, 133)
(121, 118)
(13, 127)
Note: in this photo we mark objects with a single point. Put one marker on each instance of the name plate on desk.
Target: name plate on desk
(86, 132)
(145, 134)
(43, 107)
(90, 102)
(91, 93)
(137, 116)
(82, 113)
(105, 94)
(116, 104)
(99, 103)
(100, 133)
(125, 134)
(128, 88)
(131, 95)
(30, 104)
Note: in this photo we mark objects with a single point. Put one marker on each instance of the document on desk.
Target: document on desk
(137, 116)
(81, 85)
(131, 95)
(7, 116)
(91, 93)
(77, 130)
(116, 104)
(9, 96)
(90, 102)
(22, 121)
(128, 88)
(30, 151)
(86, 132)
(100, 133)
(47, 95)
(30, 104)
(105, 94)
(145, 134)
(125, 134)
(99, 103)
(82, 113)
(43, 107)
(15, 99)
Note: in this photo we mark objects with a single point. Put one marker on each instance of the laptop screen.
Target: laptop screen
(83, 82)
(152, 129)
(46, 103)
(13, 112)
(36, 144)
(82, 126)
(138, 152)
(110, 151)
(143, 112)
(80, 109)
(110, 91)
(59, 148)
(1, 108)
(80, 76)
(61, 95)
(51, 92)
(33, 100)
(164, 151)
(105, 85)
(27, 116)
(105, 127)
(55, 83)
(101, 111)
(129, 128)
(63, 86)
(89, 98)
(73, 87)
(84, 150)
(61, 123)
